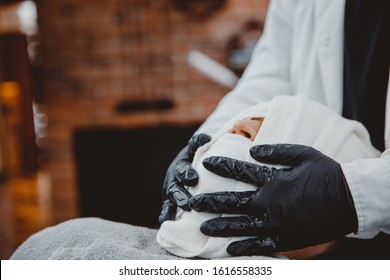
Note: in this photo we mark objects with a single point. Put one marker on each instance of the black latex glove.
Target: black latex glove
(306, 204)
(180, 173)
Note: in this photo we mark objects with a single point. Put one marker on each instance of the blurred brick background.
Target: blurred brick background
(97, 53)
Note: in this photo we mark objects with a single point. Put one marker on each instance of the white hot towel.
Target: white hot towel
(287, 119)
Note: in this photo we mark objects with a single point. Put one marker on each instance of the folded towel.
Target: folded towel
(287, 119)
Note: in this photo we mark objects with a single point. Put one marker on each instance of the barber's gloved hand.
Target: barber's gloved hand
(306, 204)
(179, 174)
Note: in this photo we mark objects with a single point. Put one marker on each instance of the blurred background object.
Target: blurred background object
(199, 9)
(98, 96)
(19, 17)
(212, 69)
(241, 45)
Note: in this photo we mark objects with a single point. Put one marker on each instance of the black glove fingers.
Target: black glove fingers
(186, 174)
(184, 171)
(239, 170)
(263, 245)
(221, 202)
(179, 195)
(285, 154)
(195, 142)
(233, 226)
(180, 173)
(168, 211)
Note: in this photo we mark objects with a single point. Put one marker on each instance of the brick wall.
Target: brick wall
(98, 53)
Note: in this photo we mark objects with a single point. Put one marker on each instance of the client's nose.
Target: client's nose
(244, 128)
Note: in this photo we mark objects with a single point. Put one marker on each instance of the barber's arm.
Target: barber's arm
(369, 183)
(305, 204)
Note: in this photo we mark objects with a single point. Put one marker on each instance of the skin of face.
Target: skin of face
(249, 128)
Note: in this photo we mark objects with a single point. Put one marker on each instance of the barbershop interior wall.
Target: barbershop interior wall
(98, 53)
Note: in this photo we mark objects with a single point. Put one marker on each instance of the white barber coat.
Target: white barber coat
(301, 52)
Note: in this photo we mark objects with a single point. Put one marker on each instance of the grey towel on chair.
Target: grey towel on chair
(94, 239)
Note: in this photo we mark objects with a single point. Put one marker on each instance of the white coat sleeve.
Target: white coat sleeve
(268, 72)
(369, 183)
